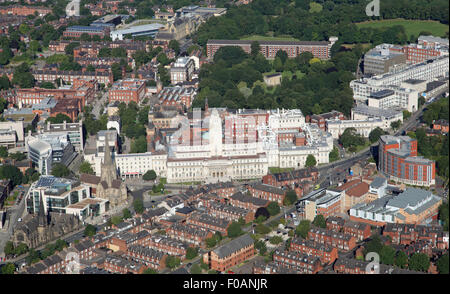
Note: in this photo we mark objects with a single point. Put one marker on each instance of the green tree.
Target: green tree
(374, 245)
(290, 197)
(210, 242)
(319, 221)
(8, 269)
(234, 230)
(126, 213)
(149, 271)
(90, 230)
(419, 262)
(115, 220)
(60, 170)
(58, 119)
(174, 45)
(12, 173)
(86, 168)
(139, 145)
(303, 228)
(310, 161)
(254, 48)
(3, 152)
(375, 134)
(387, 255)
(334, 154)
(191, 252)
(261, 247)
(9, 248)
(22, 248)
(172, 262)
(273, 208)
(47, 85)
(138, 205)
(150, 175)
(442, 264)
(396, 124)
(406, 114)
(401, 260)
(275, 240)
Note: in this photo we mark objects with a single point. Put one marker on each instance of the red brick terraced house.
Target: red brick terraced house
(267, 192)
(338, 240)
(301, 263)
(325, 253)
(151, 258)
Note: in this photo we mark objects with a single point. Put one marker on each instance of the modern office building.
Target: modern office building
(143, 30)
(381, 59)
(64, 196)
(182, 70)
(399, 161)
(74, 132)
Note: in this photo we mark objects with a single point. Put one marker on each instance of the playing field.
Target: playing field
(412, 27)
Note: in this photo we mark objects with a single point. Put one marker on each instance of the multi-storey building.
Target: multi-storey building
(127, 91)
(381, 59)
(209, 222)
(182, 70)
(74, 132)
(267, 192)
(325, 253)
(300, 262)
(232, 253)
(413, 206)
(77, 31)
(64, 196)
(408, 233)
(247, 202)
(322, 201)
(149, 257)
(398, 159)
(320, 49)
(189, 234)
(338, 240)
(229, 212)
(178, 96)
(25, 10)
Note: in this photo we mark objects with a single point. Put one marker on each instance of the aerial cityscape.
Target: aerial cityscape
(224, 137)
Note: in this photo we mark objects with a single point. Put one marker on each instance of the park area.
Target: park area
(412, 27)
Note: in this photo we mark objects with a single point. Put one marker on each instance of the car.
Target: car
(19, 219)
(189, 264)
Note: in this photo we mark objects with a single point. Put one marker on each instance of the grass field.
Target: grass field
(412, 27)
(267, 38)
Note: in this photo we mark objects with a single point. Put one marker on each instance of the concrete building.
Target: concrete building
(182, 70)
(135, 31)
(363, 127)
(413, 206)
(394, 98)
(322, 201)
(387, 116)
(64, 196)
(74, 132)
(380, 59)
(11, 134)
(320, 49)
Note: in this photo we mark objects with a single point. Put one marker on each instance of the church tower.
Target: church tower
(108, 172)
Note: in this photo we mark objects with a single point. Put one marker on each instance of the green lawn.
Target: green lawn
(268, 38)
(276, 170)
(412, 27)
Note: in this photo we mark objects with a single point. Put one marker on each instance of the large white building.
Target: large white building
(402, 97)
(362, 127)
(11, 134)
(215, 156)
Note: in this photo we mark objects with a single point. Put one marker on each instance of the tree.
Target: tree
(86, 168)
(419, 262)
(172, 262)
(290, 198)
(234, 230)
(126, 213)
(262, 211)
(254, 48)
(401, 260)
(191, 252)
(150, 175)
(211, 242)
(8, 269)
(60, 170)
(375, 134)
(334, 154)
(174, 45)
(139, 145)
(3, 152)
(115, 220)
(310, 161)
(261, 246)
(275, 240)
(303, 228)
(442, 264)
(59, 119)
(47, 85)
(138, 205)
(9, 248)
(406, 114)
(196, 269)
(319, 221)
(273, 208)
(374, 245)
(262, 229)
(12, 173)
(396, 124)
(90, 230)
(387, 255)
(150, 271)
